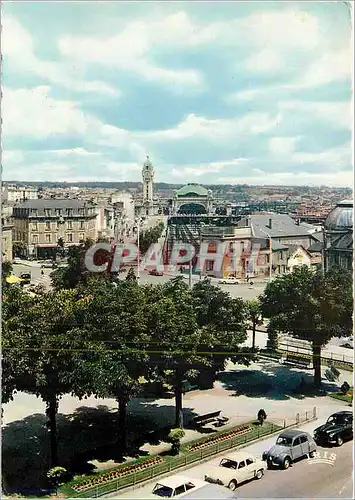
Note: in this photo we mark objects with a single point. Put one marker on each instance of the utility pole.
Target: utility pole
(138, 255)
(190, 274)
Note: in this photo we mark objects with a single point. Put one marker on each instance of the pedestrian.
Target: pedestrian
(42, 272)
(247, 278)
(261, 416)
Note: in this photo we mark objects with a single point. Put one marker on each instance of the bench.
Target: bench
(207, 418)
(297, 361)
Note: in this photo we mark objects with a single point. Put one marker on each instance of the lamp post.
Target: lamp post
(138, 241)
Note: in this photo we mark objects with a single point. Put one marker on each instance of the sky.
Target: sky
(213, 92)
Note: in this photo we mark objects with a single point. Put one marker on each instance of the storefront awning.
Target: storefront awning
(46, 245)
(13, 279)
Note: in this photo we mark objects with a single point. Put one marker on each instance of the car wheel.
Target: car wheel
(286, 463)
(259, 474)
(232, 485)
(340, 440)
(312, 454)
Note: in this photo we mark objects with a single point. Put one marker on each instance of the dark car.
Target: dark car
(26, 278)
(337, 429)
(290, 446)
(155, 272)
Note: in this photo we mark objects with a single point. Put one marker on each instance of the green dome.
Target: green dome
(191, 190)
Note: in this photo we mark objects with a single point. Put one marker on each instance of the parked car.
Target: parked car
(291, 445)
(348, 342)
(337, 429)
(229, 281)
(47, 264)
(176, 486)
(155, 272)
(236, 468)
(26, 278)
(209, 492)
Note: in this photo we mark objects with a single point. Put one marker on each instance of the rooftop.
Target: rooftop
(192, 189)
(281, 225)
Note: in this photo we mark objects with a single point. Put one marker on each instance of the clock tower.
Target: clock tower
(147, 177)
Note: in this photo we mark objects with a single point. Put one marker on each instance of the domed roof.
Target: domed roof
(192, 189)
(341, 217)
(147, 163)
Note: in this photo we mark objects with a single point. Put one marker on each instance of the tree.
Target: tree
(40, 343)
(150, 236)
(255, 317)
(6, 271)
(114, 322)
(131, 275)
(76, 272)
(194, 332)
(310, 306)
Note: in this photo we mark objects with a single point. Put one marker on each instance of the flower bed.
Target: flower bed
(116, 473)
(239, 431)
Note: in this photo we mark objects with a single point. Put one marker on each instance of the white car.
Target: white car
(347, 342)
(229, 281)
(176, 486)
(235, 469)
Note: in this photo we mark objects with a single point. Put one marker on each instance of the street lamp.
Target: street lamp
(138, 241)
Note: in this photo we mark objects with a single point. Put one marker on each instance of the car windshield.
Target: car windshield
(336, 419)
(229, 464)
(284, 441)
(163, 491)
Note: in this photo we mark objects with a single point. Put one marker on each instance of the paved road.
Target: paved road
(303, 480)
(37, 278)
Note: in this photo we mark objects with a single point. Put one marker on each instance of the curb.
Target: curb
(199, 462)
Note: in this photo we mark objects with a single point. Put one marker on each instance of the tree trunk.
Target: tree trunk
(179, 421)
(317, 364)
(122, 422)
(51, 412)
(253, 341)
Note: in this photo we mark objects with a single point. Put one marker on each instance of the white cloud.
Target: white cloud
(333, 159)
(33, 113)
(18, 51)
(332, 66)
(282, 146)
(73, 152)
(338, 113)
(188, 171)
(265, 60)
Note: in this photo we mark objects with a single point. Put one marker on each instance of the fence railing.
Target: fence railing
(191, 457)
(325, 355)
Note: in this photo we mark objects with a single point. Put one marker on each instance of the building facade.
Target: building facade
(40, 225)
(6, 241)
(15, 193)
(338, 236)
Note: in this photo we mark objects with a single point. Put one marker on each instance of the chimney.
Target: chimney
(270, 223)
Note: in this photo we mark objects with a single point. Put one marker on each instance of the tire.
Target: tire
(232, 485)
(286, 463)
(259, 474)
(340, 440)
(312, 454)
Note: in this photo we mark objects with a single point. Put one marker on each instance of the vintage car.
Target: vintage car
(337, 429)
(236, 468)
(290, 446)
(229, 281)
(176, 486)
(26, 278)
(155, 272)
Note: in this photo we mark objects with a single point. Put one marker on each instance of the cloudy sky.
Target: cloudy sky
(212, 92)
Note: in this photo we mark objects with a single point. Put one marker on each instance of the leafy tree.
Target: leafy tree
(39, 345)
(150, 236)
(131, 275)
(114, 322)
(255, 317)
(175, 436)
(194, 332)
(6, 271)
(313, 307)
(76, 272)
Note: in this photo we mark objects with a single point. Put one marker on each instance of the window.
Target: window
(58, 211)
(48, 226)
(48, 212)
(296, 442)
(34, 239)
(82, 224)
(70, 224)
(34, 226)
(34, 212)
(179, 490)
(304, 439)
(81, 211)
(241, 465)
(242, 247)
(48, 238)
(81, 236)
(69, 212)
(249, 461)
(209, 265)
(70, 237)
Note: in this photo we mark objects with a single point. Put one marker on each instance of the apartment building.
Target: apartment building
(6, 240)
(40, 224)
(16, 193)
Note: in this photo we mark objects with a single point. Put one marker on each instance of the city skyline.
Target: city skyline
(251, 93)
